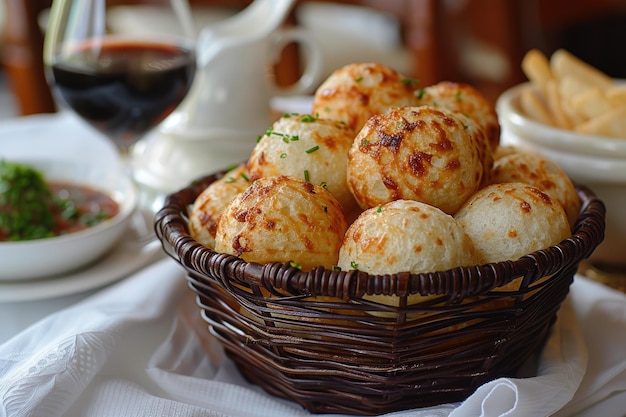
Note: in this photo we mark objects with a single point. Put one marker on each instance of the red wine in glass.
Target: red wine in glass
(123, 88)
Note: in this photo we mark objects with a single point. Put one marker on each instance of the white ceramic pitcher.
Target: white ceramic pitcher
(233, 86)
(228, 105)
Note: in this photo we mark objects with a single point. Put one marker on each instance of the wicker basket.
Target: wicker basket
(318, 339)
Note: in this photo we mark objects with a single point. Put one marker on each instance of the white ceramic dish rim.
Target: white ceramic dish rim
(568, 141)
(585, 169)
(119, 262)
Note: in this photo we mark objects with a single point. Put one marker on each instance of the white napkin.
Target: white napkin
(126, 352)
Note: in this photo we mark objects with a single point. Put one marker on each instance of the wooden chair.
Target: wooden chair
(22, 58)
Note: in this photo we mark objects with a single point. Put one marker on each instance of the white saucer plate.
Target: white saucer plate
(128, 256)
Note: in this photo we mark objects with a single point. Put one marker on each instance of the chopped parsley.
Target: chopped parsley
(25, 201)
(31, 208)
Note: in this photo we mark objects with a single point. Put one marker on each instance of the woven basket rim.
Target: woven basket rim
(458, 283)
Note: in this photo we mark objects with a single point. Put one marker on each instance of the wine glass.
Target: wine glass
(122, 66)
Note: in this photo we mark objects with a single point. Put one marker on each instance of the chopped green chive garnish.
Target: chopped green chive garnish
(309, 118)
(420, 93)
(358, 79)
(409, 81)
(306, 175)
(354, 265)
(283, 155)
(245, 177)
(313, 149)
(295, 265)
(457, 96)
(231, 167)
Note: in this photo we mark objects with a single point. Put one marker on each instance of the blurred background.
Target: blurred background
(481, 42)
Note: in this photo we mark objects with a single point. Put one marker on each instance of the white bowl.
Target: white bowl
(46, 258)
(595, 161)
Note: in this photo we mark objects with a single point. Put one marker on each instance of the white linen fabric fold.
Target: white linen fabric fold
(125, 351)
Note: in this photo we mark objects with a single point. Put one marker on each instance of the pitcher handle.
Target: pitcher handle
(312, 55)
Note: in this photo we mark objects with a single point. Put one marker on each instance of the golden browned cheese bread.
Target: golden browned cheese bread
(211, 203)
(508, 149)
(470, 104)
(283, 219)
(405, 236)
(423, 153)
(306, 147)
(508, 220)
(534, 169)
(356, 92)
(465, 99)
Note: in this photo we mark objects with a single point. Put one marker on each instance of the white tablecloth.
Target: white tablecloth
(125, 351)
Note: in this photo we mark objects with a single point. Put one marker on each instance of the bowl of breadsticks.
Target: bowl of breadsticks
(575, 115)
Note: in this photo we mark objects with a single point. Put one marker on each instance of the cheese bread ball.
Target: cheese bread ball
(533, 169)
(405, 236)
(415, 153)
(509, 220)
(305, 146)
(505, 150)
(467, 100)
(356, 92)
(211, 203)
(283, 219)
(470, 104)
